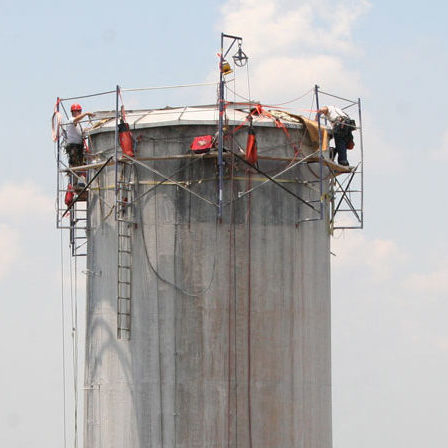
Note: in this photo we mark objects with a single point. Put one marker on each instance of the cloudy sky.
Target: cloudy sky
(389, 281)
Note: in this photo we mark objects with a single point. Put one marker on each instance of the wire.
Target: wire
(338, 97)
(158, 331)
(179, 86)
(88, 96)
(230, 282)
(75, 351)
(249, 305)
(295, 99)
(273, 105)
(179, 184)
(248, 80)
(164, 180)
(164, 280)
(72, 310)
(64, 380)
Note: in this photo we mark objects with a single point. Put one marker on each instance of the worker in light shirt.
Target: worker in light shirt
(74, 143)
(342, 127)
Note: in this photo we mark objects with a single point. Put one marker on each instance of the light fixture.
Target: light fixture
(225, 68)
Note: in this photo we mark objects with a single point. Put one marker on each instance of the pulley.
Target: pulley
(240, 58)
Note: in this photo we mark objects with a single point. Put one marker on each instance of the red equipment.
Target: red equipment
(202, 144)
(69, 195)
(125, 137)
(75, 107)
(251, 146)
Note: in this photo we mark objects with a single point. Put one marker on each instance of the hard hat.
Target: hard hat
(75, 107)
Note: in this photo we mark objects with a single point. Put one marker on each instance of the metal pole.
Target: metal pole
(58, 185)
(221, 109)
(362, 162)
(321, 167)
(220, 130)
(117, 92)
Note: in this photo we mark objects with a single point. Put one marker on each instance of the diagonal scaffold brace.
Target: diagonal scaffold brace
(87, 186)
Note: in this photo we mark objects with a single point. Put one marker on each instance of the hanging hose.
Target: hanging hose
(155, 271)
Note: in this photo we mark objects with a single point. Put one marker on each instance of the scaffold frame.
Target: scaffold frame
(343, 192)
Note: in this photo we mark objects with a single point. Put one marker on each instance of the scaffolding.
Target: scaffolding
(341, 204)
(347, 192)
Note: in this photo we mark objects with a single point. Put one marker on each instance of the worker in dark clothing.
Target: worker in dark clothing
(342, 127)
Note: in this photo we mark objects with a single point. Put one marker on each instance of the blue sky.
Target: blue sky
(389, 281)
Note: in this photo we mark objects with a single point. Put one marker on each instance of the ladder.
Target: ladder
(78, 216)
(124, 207)
(76, 219)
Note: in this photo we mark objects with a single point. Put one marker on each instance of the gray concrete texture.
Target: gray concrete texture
(230, 340)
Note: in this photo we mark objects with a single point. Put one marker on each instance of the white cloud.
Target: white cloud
(9, 248)
(441, 153)
(22, 207)
(24, 200)
(272, 25)
(380, 258)
(317, 33)
(282, 78)
(381, 262)
(382, 156)
(432, 283)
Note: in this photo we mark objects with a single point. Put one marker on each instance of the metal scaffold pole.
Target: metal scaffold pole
(117, 93)
(58, 183)
(220, 130)
(362, 162)
(321, 156)
(240, 60)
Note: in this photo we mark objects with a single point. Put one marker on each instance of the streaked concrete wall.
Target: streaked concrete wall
(244, 360)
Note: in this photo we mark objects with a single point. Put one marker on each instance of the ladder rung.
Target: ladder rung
(124, 283)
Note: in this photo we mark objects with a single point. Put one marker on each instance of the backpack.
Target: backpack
(344, 127)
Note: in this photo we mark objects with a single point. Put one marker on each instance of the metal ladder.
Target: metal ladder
(76, 219)
(125, 225)
(78, 216)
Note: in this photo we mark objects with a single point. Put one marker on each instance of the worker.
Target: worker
(342, 126)
(74, 143)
